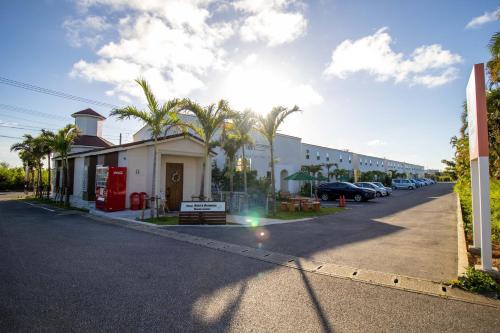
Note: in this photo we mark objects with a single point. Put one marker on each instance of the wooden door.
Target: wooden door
(174, 183)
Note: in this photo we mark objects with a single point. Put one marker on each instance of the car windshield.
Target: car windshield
(379, 184)
(350, 185)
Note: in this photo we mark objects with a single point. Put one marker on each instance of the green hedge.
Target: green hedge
(464, 191)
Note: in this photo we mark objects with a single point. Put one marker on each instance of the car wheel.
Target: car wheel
(394, 188)
(358, 198)
(324, 197)
(410, 188)
(378, 194)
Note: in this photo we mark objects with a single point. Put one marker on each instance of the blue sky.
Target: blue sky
(377, 77)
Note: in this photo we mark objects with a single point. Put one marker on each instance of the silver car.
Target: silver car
(379, 191)
(405, 184)
(387, 189)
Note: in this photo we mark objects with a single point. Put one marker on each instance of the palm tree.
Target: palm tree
(243, 123)
(210, 119)
(47, 138)
(493, 64)
(268, 126)
(62, 144)
(25, 151)
(159, 119)
(230, 145)
(328, 166)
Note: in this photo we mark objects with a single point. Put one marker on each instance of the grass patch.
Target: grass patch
(282, 215)
(464, 191)
(52, 203)
(164, 220)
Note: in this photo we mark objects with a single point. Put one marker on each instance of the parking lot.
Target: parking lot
(412, 232)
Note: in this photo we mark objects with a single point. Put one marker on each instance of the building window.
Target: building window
(350, 159)
(317, 156)
(307, 154)
(340, 158)
(327, 157)
(370, 162)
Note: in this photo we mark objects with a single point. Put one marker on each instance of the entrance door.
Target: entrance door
(173, 187)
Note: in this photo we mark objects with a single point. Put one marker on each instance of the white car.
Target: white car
(388, 189)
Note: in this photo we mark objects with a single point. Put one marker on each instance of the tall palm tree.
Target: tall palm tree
(243, 123)
(268, 126)
(493, 64)
(229, 143)
(159, 119)
(47, 138)
(210, 119)
(25, 151)
(62, 144)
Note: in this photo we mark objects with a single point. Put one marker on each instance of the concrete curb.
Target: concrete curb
(388, 280)
(463, 261)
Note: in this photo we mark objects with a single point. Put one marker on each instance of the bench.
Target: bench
(202, 217)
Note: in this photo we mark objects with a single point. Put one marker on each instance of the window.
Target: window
(370, 162)
(327, 157)
(307, 154)
(317, 156)
(340, 157)
(350, 159)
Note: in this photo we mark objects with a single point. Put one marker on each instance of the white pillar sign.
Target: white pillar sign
(478, 149)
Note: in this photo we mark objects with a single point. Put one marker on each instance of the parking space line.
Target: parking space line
(37, 206)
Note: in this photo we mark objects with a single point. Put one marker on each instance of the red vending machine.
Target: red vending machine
(110, 188)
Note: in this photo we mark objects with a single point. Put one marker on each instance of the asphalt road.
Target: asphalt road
(61, 272)
(411, 233)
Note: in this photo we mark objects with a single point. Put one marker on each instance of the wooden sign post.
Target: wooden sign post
(479, 165)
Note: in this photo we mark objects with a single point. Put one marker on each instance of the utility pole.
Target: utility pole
(120, 138)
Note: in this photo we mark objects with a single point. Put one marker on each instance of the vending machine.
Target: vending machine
(110, 188)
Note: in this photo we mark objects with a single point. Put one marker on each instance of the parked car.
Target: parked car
(387, 189)
(333, 190)
(416, 183)
(402, 184)
(424, 182)
(379, 191)
(431, 181)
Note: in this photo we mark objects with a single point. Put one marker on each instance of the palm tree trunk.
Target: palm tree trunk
(245, 189)
(202, 186)
(49, 178)
(66, 189)
(273, 189)
(153, 186)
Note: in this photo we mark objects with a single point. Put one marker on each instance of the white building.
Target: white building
(179, 164)
(291, 153)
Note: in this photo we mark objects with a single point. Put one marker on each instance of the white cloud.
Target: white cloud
(428, 65)
(273, 21)
(87, 31)
(483, 19)
(170, 43)
(376, 142)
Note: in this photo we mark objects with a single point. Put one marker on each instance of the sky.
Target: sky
(385, 78)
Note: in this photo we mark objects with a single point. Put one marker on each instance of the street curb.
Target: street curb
(463, 260)
(383, 279)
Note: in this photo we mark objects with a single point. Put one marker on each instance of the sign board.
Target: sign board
(477, 113)
(479, 164)
(203, 206)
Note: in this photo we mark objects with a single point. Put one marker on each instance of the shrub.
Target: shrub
(477, 281)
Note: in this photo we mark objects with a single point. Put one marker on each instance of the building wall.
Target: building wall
(89, 125)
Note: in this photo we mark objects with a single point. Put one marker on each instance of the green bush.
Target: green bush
(477, 281)
(463, 189)
(11, 178)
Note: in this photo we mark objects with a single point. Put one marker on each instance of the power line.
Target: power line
(9, 137)
(26, 128)
(55, 93)
(13, 108)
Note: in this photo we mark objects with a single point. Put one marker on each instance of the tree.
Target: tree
(493, 64)
(62, 144)
(243, 123)
(230, 144)
(210, 119)
(47, 146)
(493, 102)
(159, 119)
(268, 126)
(328, 166)
(27, 156)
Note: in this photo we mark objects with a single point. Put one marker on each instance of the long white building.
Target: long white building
(291, 153)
